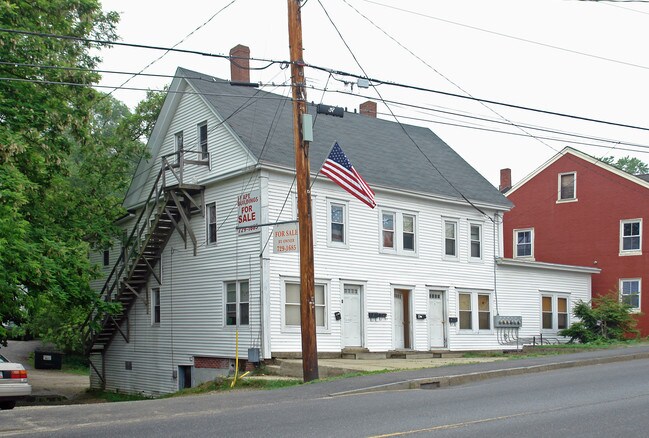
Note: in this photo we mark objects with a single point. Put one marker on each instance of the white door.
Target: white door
(352, 321)
(398, 320)
(436, 319)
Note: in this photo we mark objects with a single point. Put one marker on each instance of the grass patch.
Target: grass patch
(553, 349)
(115, 397)
(222, 384)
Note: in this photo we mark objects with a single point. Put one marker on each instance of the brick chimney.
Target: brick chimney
(505, 180)
(239, 66)
(368, 109)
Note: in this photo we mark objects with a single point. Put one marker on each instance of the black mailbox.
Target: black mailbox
(337, 316)
(453, 320)
(421, 316)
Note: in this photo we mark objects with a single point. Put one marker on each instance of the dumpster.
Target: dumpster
(45, 359)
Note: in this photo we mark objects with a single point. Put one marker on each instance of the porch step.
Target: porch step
(363, 355)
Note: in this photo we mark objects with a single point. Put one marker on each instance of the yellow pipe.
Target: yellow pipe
(236, 359)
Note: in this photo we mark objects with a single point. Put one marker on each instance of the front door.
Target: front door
(401, 318)
(352, 320)
(436, 319)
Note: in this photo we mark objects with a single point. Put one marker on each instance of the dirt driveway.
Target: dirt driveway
(47, 385)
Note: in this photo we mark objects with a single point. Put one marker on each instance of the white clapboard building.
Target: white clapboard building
(420, 272)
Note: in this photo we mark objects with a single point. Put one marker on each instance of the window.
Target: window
(398, 232)
(202, 140)
(237, 303)
(211, 223)
(450, 238)
(387, 230)
(630, 292)
(408, 232)
(630, 236)
(337, 221)
(567, 186)
(106, 257)
(292, 305)
(468, 318)
(179, 145)
(554, 312)
(155, 305)
(476, 241)
(465, 312)
(524, 243)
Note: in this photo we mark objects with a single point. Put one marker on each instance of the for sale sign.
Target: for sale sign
(285, 238)
(249, 205)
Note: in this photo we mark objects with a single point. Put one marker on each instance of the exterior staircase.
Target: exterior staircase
(169, 207)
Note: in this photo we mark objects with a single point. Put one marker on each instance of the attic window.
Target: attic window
(202, 140)
(567, 186)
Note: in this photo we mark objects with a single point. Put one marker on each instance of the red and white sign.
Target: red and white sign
(249, 205)
(286, 238)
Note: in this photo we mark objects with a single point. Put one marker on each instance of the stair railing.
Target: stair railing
(136, 242)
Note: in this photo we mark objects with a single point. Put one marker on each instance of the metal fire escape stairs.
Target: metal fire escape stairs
(169, 207)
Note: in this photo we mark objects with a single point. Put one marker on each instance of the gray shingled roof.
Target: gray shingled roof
(379, 149)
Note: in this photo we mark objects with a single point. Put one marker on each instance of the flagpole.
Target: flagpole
(302, 170)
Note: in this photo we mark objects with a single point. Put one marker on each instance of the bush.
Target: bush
(604, 319)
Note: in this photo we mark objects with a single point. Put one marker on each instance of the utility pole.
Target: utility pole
(303, 175)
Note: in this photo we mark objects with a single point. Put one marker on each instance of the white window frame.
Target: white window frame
(398, 232)
(574, 187)
(238, 303)
(554, 311)
(209, 224)
(475, 311)
(156, 308)
(634, 251)
(204, 152)
(393, 248)
(456, 225)
(344, 204)
(403, 233)
(325, 328)
(480, 242)
(524, 230)
(179, 145)
(630, 280)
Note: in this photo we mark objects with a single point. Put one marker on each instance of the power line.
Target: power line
(341, 73)
(525, 40)
(476, 99)
(138, 46)
(399, 122)
(175, 45)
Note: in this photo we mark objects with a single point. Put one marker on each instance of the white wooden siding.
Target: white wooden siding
(379, 272)
(226, 152)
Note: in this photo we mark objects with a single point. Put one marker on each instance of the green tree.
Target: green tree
(631, 165)
(51, 199)
(604, 319)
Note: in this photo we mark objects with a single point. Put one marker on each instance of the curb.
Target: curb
(461, 379)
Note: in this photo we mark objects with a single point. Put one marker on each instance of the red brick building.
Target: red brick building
(577, 210)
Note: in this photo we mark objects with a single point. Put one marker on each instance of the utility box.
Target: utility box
(253, 355)
(47, 359)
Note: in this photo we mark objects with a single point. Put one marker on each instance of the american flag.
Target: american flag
(338, 169)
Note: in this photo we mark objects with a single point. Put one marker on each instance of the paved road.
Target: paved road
(595, 401)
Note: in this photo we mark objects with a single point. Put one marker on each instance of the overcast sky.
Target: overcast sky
(582, 58)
